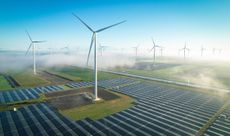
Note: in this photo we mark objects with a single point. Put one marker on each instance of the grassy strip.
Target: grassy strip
(100, 109)
(66, 87)
(4, 85)
(212, 119)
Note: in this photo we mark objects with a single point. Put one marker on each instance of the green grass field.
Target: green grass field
(27, 79)
(100, 109)
(4, 85)
(79, 74)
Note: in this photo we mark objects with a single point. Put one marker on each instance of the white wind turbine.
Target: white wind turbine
(102, 48)
(185, 49)
(136, 50)
(66, 48)
(94, 41)
(202, 51)
(34, 50)
(161, 49)
(154, 51)
(214, 51)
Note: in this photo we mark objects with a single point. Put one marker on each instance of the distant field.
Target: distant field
(27, 79)
(208, 74)
(4, 85)
(79, 74)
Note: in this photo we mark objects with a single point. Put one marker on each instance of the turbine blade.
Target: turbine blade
(29, 35)
(91, 44)
(83, 22)
(153, 42)
(102, 29)
(39, 41)
(151, 49)
(28, 48)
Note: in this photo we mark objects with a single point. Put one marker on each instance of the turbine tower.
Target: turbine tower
(34, 50)
(161, 49)
(94, 41)
(185, 49)
(66, 48)
(214, 51)
(154, 51)
(202, 51)
(136, 50)
(102, 48)
(220, 50)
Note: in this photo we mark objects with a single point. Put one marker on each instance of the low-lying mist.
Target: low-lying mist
(213, 74)
(17, 62)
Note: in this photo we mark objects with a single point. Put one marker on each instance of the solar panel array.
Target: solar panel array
(26, 94)
(162, 111)
(221, 126)
(158, 111)
(38, 120)
(79, 84)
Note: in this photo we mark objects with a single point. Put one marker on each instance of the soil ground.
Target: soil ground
(76, 98)
(53, 79)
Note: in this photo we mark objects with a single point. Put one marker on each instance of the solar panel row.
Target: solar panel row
(221, 126)
(79, 84)
(38, 119)
(26, 94)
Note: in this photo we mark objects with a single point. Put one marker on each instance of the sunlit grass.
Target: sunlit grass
(27, 79)
(79, 74)
(4, 85)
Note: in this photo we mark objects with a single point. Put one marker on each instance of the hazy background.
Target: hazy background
(170, 22)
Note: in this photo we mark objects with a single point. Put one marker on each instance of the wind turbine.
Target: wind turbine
(102, 48)
(202, 51)
(184, 49)
(214, 51)
(161, 49)
(154, 50)
(66, 48)
(136, 50)
(34, 50)
(94, 41)
(220, 50)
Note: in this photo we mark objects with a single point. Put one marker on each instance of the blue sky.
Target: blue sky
(170, 22)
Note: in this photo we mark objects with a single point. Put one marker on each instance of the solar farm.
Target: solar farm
(114, 68)
(158, 110)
